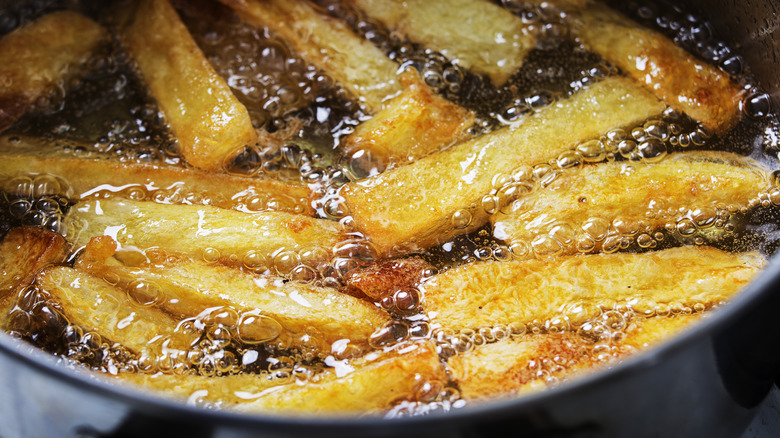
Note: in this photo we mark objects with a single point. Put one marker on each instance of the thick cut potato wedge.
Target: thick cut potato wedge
(519, 366)
(643, 197)
(100, 177)
(36, 57)
(688, 85)
(521, 292)
(202, 231)
(410, 126)
(268, 308)
(370, 384)
(354, 63)
(473, 33)
(435, 198)
(96, 306)
(208, 121)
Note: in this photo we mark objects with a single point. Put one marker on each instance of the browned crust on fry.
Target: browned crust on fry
(26, 250)
(383, 278)
(687, 84)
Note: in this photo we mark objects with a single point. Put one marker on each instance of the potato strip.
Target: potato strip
(370, 384)
(208, 121)
(410, 126)
(36, 57)
(354, 63)
(521, 365)
(23, 252)
(84, 177)
(473, 33)
(267, 308)
(520, 292)
(688, 85)
(96, 306)
(203, 232)
(590, 208)
(437, 197)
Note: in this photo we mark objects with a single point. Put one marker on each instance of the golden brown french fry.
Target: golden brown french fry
(217, 392)
(100, 177)
(267, 308)
(518, 366)
(688, 85)
(354, 63)
(96, 306)
(23, 252)
(370, 384)
(582, 205)
(521, 292)
(26, 250)
(208, 121)
(202, 231)
(410, 126)
(37, 56)
(473, 33)
(435, 198)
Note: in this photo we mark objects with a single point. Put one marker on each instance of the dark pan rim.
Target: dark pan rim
(143, 401)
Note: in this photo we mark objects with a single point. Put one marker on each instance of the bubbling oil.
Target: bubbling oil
(108, 109)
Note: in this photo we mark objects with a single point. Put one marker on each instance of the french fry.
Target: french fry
(267, 307)
(354, 63)
(473, 33)
(26, 250)
(201, 231)
(96, 306)
(410, 126)
(437, 197)
(521, 292)
(23, 252)
(688, 85)
(208, 121)
(100, 177)
(369, 384)
(587, 201)
(520, 366)
(219, 392)
(36, 57)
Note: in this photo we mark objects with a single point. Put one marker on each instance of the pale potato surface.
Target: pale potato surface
(476, 34)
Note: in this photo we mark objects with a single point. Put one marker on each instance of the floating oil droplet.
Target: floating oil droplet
(652, 150)
(756, 105)
(461, 219)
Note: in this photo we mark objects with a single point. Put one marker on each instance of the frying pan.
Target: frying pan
(707, 382)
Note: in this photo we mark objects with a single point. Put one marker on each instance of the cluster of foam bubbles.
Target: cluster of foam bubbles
(602, 327)
(36, 200)
(260, 69)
